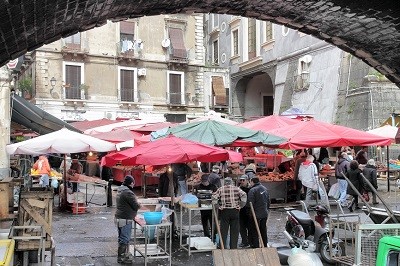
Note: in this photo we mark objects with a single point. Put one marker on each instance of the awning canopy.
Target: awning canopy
(34, 118)
(84, 125)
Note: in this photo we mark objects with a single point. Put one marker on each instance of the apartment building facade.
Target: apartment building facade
(274, 68)
(148, 67)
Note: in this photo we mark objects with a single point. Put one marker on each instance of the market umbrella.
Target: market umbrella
(118, 135)
(88, 124)
(215, 118)
(386, 131)
(62, 141)
(269, 123)
(220, 134)
(314, 133)
(170, 150)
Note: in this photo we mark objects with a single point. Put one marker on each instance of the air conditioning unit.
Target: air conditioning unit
(109, 115)
(141, 72)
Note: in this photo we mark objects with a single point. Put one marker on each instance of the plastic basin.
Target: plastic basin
(153, 217)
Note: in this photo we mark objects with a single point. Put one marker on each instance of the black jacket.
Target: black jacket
(127, 205)
(163, 185)
(370, 173)
(356, 179)
(259, 197)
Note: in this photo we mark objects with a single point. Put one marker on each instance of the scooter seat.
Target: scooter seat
(302, 217)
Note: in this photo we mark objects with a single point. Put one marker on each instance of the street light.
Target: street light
(52, 83)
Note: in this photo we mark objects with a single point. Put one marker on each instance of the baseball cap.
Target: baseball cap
(243, 177)
(228, 180)
(204, 178)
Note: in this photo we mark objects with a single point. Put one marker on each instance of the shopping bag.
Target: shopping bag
(365, 195)
(334, 191)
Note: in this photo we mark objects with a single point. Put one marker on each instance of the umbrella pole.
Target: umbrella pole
(64, 194)
(388, 170)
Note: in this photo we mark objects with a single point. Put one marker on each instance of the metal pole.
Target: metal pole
(388, 170)
(109, 193)
(64, 195)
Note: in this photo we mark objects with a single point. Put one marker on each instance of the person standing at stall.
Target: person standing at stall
(43, 166)
(245, 219)
(206, 215)
(370, 174)
(300, 158)
(362, 156)
(231, 198)
(182, 171)
(354, 176)
(259, 198)
(215, 178)
(127, 207)
(342, 166)
(75, 168)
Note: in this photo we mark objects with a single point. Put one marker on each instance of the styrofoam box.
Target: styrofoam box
(201, 242)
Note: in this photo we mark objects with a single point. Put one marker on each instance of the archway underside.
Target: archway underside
(368, 29)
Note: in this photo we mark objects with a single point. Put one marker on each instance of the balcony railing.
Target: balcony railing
(175, 99)
(127, 95)
(82, 46)
(74, 93)
(127, 49)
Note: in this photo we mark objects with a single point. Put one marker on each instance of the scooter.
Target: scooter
(313, 236)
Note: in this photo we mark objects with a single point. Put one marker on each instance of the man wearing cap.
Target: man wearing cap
(206, 215)
(342, 166)
(214, 178)
(370, 174)
(127, 207)
(244, 218)
(259, 197)
(231, 198)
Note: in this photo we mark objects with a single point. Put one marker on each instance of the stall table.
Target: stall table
(191, 209)
(150, 251)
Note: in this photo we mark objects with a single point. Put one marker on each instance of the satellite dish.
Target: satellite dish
(166, 43)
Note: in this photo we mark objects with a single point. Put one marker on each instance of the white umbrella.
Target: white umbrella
(386, 131)
(61, 141)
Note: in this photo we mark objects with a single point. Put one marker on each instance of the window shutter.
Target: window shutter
(127, 27)
(127, 86)
(219, 90)
(175, 90)
(73, 79)
(178, 44)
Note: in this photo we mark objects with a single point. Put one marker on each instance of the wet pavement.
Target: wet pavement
(90, 238)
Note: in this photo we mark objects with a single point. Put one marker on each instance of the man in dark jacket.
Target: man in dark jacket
(259, 197)
(206, 215)
(163, 184)
(127, 207)
(370, 174)
(342, 166)
(182, 171)
(245, 219)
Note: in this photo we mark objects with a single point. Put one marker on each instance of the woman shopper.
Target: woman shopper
(354, 176)
(370, 174)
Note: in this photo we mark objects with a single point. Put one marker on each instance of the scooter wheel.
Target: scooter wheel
(338, 250)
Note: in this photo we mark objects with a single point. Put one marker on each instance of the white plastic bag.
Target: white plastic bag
(334, 191)
(166, 212)
(300, 257)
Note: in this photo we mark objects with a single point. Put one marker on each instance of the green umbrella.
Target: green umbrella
(220, 134)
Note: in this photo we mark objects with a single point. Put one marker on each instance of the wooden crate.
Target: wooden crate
(35, 208)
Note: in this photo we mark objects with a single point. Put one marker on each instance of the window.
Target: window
(73, 76)
(285, 30)
(175, 87)
(126, 36)
(215, 20)
(177, 43)
(127, 84)
(269, 33)
(219, 91)
(235, 42)
(303, 72)
(252, 38)
(73, 41)
(215, 53)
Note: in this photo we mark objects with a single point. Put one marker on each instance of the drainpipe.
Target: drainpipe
(372, 108)
(348, 77)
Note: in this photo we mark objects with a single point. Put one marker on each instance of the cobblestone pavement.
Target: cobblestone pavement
(91, 238)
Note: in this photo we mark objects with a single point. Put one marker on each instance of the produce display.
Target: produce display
(53, 173)
(85, 178)
(275, 176)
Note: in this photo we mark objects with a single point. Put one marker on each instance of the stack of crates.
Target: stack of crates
(76, 202)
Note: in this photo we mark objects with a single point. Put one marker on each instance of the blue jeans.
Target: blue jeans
(125, 234)
(44, 180)
(343, 191)
(182, 187)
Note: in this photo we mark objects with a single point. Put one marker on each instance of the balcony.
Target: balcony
(176, 101)
(180, 57)
(74, 93)
(128, 50)
(79, 49)
(127, 95)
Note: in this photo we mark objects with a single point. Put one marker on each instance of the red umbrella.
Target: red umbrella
(269, 123)
(170, 150)
(84, 125)
(313, 133)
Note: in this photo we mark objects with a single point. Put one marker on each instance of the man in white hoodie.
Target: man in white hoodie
(308, 174)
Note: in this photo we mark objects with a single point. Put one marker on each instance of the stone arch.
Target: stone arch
(366, 29)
